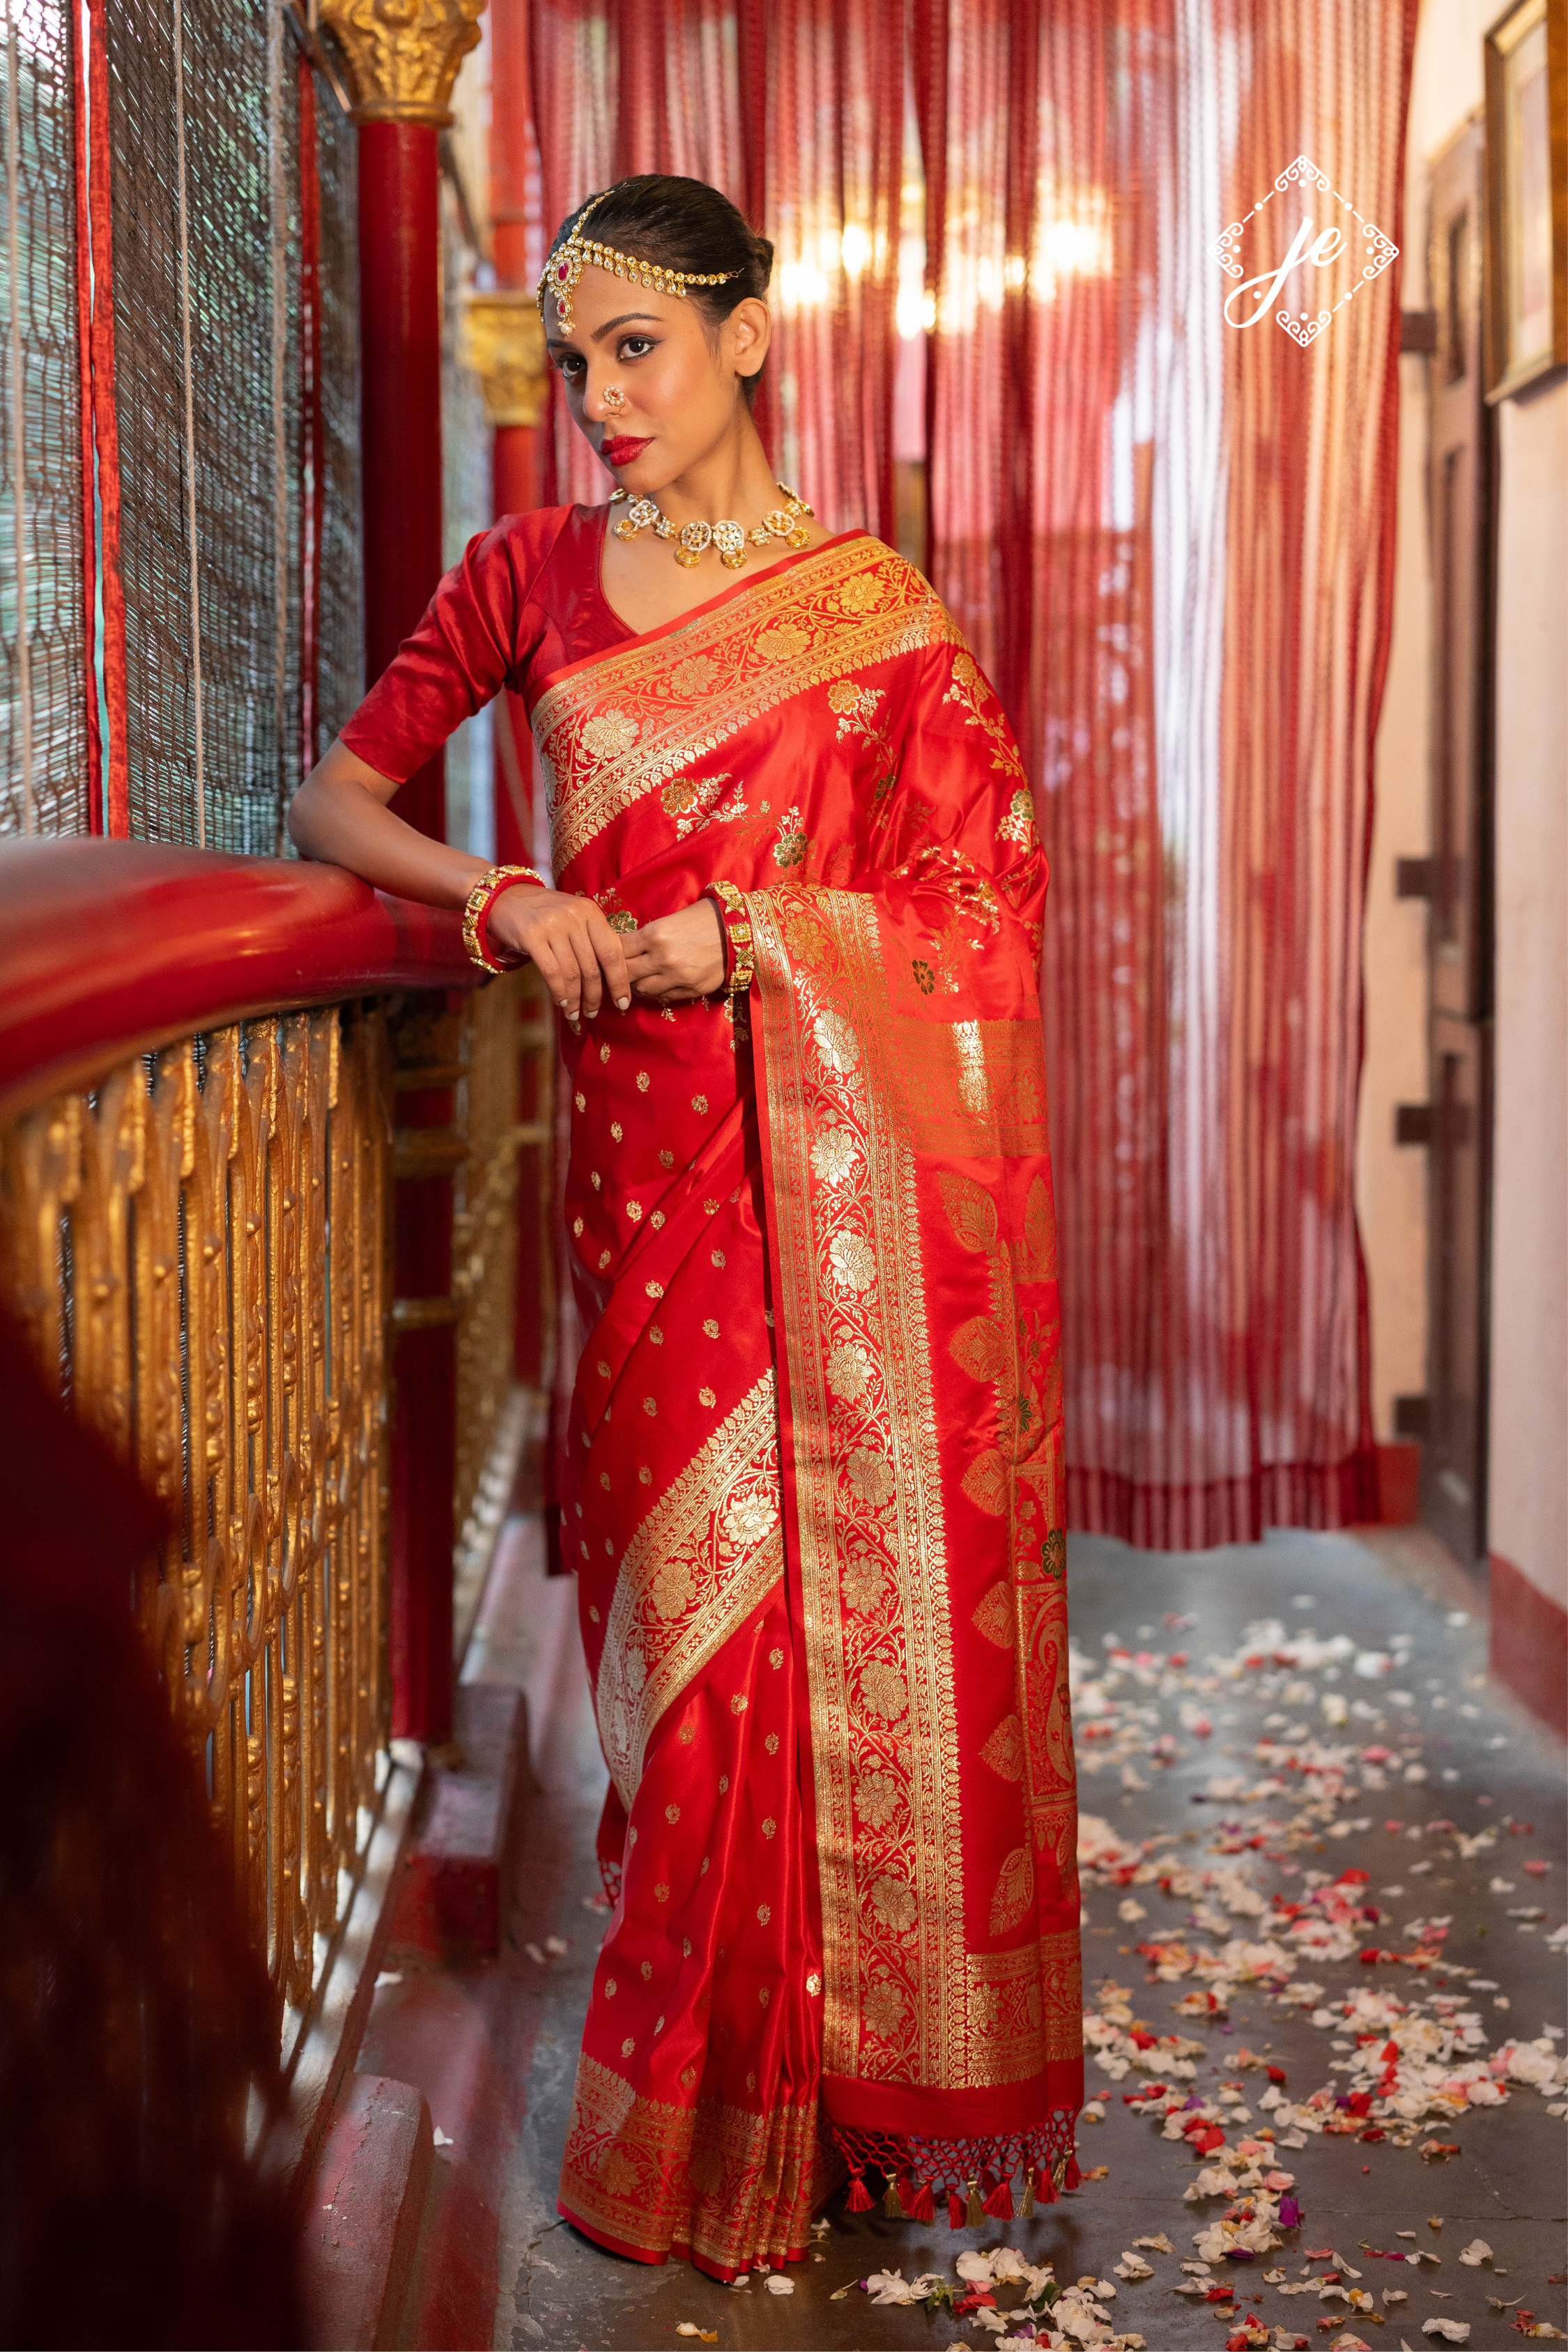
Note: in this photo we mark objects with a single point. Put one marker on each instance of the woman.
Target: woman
(815, 1489)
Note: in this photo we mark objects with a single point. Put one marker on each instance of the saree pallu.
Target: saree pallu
(814, 1487)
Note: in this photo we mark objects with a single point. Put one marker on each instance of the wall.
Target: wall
(1527, 1531)
(1527, 1534)
(1391, 1181)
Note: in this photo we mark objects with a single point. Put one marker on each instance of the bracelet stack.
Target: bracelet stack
(481, 898)
(735, 920)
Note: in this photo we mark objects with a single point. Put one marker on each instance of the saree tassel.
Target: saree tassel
(859, 2198)
(1045, 2186)
(917, 2199)
(891, 2208)
(975, 2212)
(1074, 2177)
(957, 2218)
(1026, 2201)
(1000, 2202)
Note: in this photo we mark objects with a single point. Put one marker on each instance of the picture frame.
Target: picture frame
(1527, 195)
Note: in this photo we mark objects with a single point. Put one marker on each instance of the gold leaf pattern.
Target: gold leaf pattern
(993, 1616)
(1015, 1891)
(1003, 1751)
(970, 1210)
(976, 1348)
(985, 1483)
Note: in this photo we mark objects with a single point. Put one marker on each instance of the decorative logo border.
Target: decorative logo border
(1379, 251)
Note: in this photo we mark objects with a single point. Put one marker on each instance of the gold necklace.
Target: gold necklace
(693, 540)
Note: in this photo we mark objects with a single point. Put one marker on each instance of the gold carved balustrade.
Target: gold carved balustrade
(198, 1241)
(506, 1022)
(198, 1246)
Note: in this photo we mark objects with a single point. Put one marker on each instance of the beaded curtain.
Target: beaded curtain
(1170, 541)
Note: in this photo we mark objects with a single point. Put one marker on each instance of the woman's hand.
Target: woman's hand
(579, 958)
(678, 957)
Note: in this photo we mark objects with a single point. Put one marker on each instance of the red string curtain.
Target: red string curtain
(795, 110)
(1171, 536)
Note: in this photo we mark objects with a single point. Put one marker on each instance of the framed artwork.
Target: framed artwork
(1527, 172)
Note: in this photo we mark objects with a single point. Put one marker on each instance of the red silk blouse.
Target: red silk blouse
(524, 602)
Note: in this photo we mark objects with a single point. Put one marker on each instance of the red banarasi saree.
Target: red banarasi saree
(814, 1496)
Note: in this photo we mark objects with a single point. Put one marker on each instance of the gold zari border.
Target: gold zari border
(618, 727)
(872, 1544)
(707, 1555)
(735, 2187)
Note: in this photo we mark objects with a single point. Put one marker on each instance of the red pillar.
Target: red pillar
(516, 402)
(400, 409)
(516, 463)
(399, 457)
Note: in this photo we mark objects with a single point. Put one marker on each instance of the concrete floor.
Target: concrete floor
(519, 2021)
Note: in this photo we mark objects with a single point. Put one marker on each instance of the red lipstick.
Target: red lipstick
(622, 449)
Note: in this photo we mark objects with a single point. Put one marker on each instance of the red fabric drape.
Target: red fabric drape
(1168, 541)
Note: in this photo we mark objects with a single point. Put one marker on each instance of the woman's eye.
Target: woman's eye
(635, 347)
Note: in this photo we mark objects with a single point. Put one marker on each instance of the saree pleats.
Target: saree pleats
(695, 2116)
(814, 1493)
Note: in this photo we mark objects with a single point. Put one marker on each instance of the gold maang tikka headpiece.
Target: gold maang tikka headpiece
(568, 261)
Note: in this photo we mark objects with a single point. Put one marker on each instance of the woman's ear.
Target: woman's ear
(748, 332)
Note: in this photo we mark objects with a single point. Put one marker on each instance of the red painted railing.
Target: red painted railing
(115, 946)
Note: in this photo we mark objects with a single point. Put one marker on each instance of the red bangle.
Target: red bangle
(481, 898)
(735, 920)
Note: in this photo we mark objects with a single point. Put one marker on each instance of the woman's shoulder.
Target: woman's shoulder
(524, 551)
(527, 538)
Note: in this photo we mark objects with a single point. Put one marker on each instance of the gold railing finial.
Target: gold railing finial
(401, 57)
(503, 342)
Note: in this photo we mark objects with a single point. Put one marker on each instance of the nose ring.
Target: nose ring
(613, 396)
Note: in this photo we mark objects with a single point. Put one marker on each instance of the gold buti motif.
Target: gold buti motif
(401, 57)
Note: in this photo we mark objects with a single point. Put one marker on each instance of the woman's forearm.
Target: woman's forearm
(339, 816)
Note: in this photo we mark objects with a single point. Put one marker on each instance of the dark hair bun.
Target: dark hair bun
(682, 224)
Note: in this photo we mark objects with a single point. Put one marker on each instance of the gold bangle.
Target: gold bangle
(480, 898)
(735, 915)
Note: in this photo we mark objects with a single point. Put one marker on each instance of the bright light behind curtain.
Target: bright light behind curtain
(795, 109)
(1170, 539)
(1170, 542)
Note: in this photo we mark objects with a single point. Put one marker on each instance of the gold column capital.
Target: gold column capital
(402, 55)
(503, 342)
